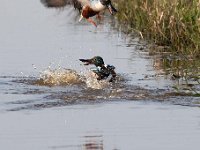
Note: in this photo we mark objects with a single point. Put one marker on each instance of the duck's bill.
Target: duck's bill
(85, 61)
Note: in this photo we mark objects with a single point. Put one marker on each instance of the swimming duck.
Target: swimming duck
(102, 70)
(87, 8)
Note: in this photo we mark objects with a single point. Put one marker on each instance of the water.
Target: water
(119, 125)
(48, 99)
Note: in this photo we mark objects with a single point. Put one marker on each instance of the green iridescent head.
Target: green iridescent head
(97, 61)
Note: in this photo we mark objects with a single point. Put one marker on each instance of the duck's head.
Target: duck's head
(97, 61)
(109, 5)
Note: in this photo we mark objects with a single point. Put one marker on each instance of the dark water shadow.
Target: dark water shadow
(44, 94)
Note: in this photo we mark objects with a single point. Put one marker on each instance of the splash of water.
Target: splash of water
(92, 82)
(59, 77)
(66, 77)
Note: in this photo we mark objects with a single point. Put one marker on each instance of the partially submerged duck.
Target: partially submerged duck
(102, 70)
(87, 8)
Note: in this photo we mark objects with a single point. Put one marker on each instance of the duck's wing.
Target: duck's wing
(56, 3)
(78, 4)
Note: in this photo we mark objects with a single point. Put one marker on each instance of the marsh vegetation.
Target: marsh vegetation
(170, 26)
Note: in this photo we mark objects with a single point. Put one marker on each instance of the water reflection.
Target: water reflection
(88, 142)
(93, 142)
(185, 72)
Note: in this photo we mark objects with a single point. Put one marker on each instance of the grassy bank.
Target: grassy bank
(173, 24)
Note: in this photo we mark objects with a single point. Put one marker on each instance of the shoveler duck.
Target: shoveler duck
(102, 70)
(87, 8)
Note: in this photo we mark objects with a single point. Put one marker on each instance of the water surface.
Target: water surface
(48, 99)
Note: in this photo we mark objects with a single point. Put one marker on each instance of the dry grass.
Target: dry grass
(174, 24)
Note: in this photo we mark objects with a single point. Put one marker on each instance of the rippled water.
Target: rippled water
(49, 100)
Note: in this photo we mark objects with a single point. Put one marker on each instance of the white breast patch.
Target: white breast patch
(96, 5)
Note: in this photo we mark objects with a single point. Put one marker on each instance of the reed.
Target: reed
(172, 24)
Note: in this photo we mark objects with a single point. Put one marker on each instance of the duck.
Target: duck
(86, 8)
(102, 70)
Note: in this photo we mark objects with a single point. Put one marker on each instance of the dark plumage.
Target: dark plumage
(62, 3)
(102, 70)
